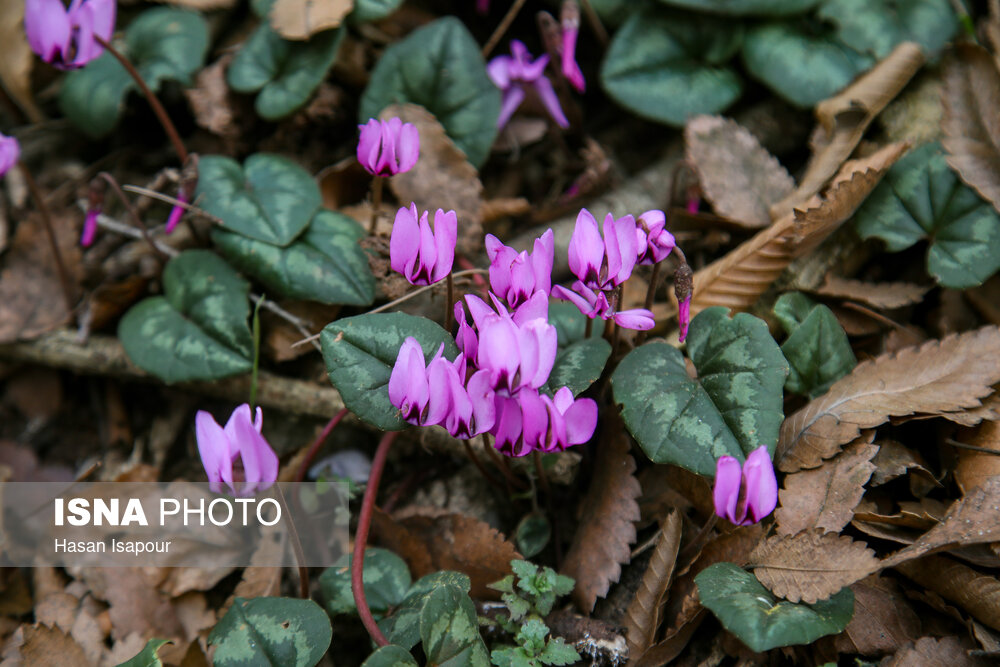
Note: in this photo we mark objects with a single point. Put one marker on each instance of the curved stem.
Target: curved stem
(376, 203)
(300, 474)
(161, 113)
(503, 26)
(43, 210)
(361, 539)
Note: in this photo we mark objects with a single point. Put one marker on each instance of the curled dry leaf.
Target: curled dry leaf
(884, 296)
(937, 377)
(641, 618)
(976, 593)
(895, 459)
(844, 118)
(442, 178)
(883, 619)
(738, 176)
(826, 497)
(930, 652)
(301, 19)
(601, 543)
(811, 566)
(971, 97)
(976, 468)
(740, 277)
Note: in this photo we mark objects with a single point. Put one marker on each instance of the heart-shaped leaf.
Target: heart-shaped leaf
(579, 365)
(366, 11)
(800, 62)
(817, 348)
(198, 330)
(386, 579)
(747, 7)
(749, 611)
(440, 68)
(286, 73)
(162, 43)
(734, 406)
(449, 630)
(270, 198)
(147, 657)
(283, 632)
(533, 532)
(360, 352)
(390, 656)
(403, 626)
(875, 27)
(922, 198)
(325, 264)
(667, 66)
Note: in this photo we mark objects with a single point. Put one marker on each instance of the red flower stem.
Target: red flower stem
(376, 203)
(502, 464)
(133, 214)
(50, 232)
(482, 469)
(502, 27)
(300, 474)
(293, 535)
(449, 305)
(588, 327)
(650, 296)
(361, 539)
(161, 113)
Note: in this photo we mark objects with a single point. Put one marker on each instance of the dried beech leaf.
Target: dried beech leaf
(601, 543)
(988, 411)
(50, 647)
(301, 19)
(883, 296)
(740, 277)
(976, 593)
(844, 118)
(930, 652)
(738, 176)
(971, 97)
(811, 566)
(895, 459)
(826, 497)
(641, 619)
(442, 178)
(883, 619)
(934, 378)
(975, 468)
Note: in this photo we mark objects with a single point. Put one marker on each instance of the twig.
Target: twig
(296, 322)
(504, 24)
(153, 194)
(134, 214)
(879, 317)
(43, 210)
(975, 448)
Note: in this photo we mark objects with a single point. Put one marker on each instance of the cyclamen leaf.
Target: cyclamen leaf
(283, 632)
(440, 68)
(745, 7)
(817, 348)
(579, 365)
(667, 66)
(877, 26)
(372, 10)
(198, 330)
(403, 626)
(148, 656)
(733, 408)
(386, 580)
(921, 197)
(449, 630)
(390, 656)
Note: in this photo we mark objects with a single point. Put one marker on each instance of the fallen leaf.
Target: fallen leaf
(971, 97)
(978, 594)
(883, 619)
(16, 58)
(23, 464)
(934, 378)
(201, 5)
(601, 543)
(883, 296)
(37, 393)
(811, 566)
(930, 652)
(738, 176)
(825, 498)
(641, 618)
(442, 178)
(895, 459)
(976, 468)
(211, 100)
(46, 646)
(135, 603)
(301, 19)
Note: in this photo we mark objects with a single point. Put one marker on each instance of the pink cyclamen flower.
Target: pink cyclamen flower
(603, 263)
(745, 495)
(65, 38)
(388, 147)
(89, 227)
(595, 304)
(515, 276)
(424, 256)
(241, 438)
(514, 74)
(570, 29)
(10, 152)
(655, 242)
(532, 421)
(177, 212)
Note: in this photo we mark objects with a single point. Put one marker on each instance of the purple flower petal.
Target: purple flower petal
(512, 98)
(404, 242)
(586, 248)
(445, 237)
(726, 492)
(761, 484)
(547, 94)
(47, 26)
(213, 447)
(639, 319)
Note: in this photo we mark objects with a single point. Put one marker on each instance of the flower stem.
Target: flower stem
(502, 27)
(361, 539)
(650, 296)
(43, 210)
(376, 203)
(449, 305)
(161, 113)
(588, 327)
(300, 556)
(300, 474)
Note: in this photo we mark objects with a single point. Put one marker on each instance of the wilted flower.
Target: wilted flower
(387, 148)
(242, 438)
(570, 29)
(10, 151)
(603, 263)
(595, 304)
(683, 290)
(745, 496)
(515, 276)
(424, 256)
(64, 37)
(177, 212)
(512, 74)
(654, 241)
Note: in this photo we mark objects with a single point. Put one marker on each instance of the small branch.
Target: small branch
(153, 194)
(43, 210)
(134, 214)
(297, 323)
(588, 328)
(975, 448)
(503, 26)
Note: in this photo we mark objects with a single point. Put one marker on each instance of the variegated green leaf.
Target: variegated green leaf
(147, 657)
(386, 579)
(390, 656)
(579, 365)
(261, 632)
(875, 27)
(403, 626)
(449, 630)
(746, 7)
(817, 348)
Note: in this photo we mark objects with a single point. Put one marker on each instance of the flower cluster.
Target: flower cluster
(241, 438)
(66, 38)
(745, 495)
(422, 254)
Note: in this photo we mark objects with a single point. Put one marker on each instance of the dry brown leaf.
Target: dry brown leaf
(641, 618)
(16, 58)
(976, 593)
(601, 543)
(844, 118)
(988, 411)
(884, 296)
(895, 459)
(930, 652)
(740, 277)
(442, 178)
(738, 176)
(971, 97)
(934, 378)
(46, 646)
(975, 468)
(826, 497)
(883, 619)
(211, 99)
(811, 566)
(135, 603)
(301, 19)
